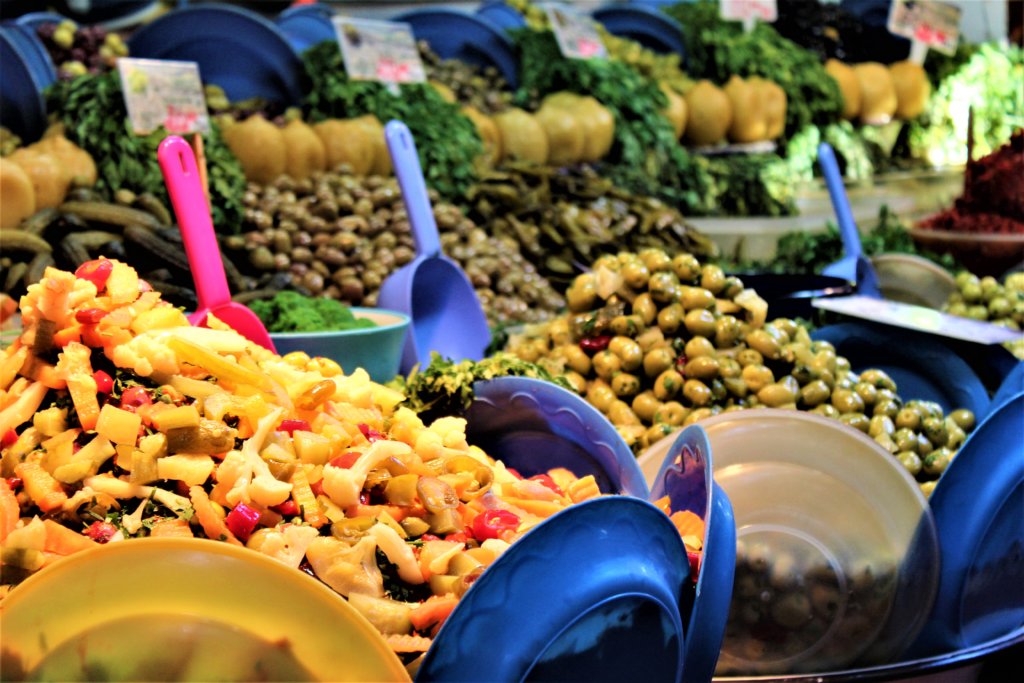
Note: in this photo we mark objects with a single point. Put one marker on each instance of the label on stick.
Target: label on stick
(379, 50)
(927, 22)
(576, 35)
(159, 92)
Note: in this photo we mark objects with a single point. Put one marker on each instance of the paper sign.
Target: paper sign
(749, 10)
(917, 318)
(159, 92)
(379, 50)
(929, 22)
(576, 34)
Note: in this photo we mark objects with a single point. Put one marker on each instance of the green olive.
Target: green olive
(826, 409)
(956, 436)
(757, 377)
(924, 446)
(878, 378)
(935, 429)
(644, 306)
(606, 364)
(671, 413)
(627, 325)
(990, 288)
(728, 367)
(629, 351)
(733, 286)
(778, 333)
(815, 393)
(576, 380)
(663, 287)
(577, 359)
(727, 331)
(778, 393)
(999, 307)
(911, 462)
(655, 433)
(749, 357)
(559, 332)
(936, 462)
(625, 384)
(888, 395)
(670, 318)
(645, 404)
(718, 391)
(928, 408)
(698, 346)
(702, 367)
(844, 381)
(908, 418)
(906, 439)
(636, 274)
(847, 401)
(867, 392)
(881, 424)
(632, 435)
(668, 385)
(600, 395)
(655, 259)
(696, 392)
(697, 297)
(619, 413)
(686, 267)
(582, 294)
(885, 441)
(712, 278)
(842, 365)
(858, 421)
(963, 418)
(767, 345)
(651, 338)
(736, 386)
(887, 408)
(788, 326)
(698, 415)
(700, 321)
(657, 361)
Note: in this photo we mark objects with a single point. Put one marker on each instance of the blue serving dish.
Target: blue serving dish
(22, 109)
(532, 426)
(649, 27)
(36, 57)
(306, 26)
(471, 38)
(589, 594)
(922, 367)
(501, 14)
(34, 20)
(236, 49)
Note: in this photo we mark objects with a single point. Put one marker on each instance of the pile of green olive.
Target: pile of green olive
(656, 342)
(986, 299)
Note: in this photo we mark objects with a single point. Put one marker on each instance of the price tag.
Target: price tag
(379, 50)
(748, 11)
(576, 34)
(159, 93)
(930, 23)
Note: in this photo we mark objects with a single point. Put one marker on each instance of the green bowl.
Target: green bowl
(378, 349)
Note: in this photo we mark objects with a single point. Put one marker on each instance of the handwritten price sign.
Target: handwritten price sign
(749, 10)
(161, 93)
(576, 34)
(379, 50)
(928, 22)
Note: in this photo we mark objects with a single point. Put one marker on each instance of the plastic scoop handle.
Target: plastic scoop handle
(840, 202)
(181, 174)
(406, 162)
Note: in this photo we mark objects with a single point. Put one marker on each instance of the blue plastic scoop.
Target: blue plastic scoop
(432, 290)
(854, 266)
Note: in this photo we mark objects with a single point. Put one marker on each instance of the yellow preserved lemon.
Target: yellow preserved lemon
(849, 86)
(878, 94)
(260, 148)
(677, 111)
(912, 88)
(488, 132)
(346, 142)
(522, 136)
(19, 199)
(565, 134)
(749, 121)
(305, 151)
(381, 164)
(710, 114)
(773, 98)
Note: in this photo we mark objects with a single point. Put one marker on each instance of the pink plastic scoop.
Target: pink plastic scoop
(181, 174)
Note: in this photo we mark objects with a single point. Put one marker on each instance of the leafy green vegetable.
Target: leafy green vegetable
(445, 388)
(447, 141)
(293, 312)
(93, 112)
(645, 157)
(753, 185)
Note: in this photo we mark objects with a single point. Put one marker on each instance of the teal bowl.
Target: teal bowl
(378, 350)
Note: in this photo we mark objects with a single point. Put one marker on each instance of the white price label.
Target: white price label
(163, 93)
(379, 50)
(749, 10)
(576, 34)
(927, 22)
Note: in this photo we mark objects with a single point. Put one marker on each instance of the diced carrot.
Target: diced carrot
(171, 528)
(75, 366)
(305, 499)
(406, 643)
(9, 510)
(664, 505)
(41, 371)
(688, 524)
(71, 333)
(45, 491)
(434, 610)
(63, 541)
(211, 522)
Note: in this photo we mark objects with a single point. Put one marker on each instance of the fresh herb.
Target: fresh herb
(397, 589)
(753, 185)
(293, 312)
(447, 141)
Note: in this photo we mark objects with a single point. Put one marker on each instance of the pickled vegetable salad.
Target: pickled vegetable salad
(119, 420)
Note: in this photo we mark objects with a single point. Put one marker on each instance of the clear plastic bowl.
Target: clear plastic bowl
(837, 554)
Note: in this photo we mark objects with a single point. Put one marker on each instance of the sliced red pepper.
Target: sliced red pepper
(317, 487)
(14, 483)
(345, 460)
(548, 482)
(9, 438)
(101, 532)
(242, 521)
(291, 426)
(287, 508)
(135, 397)
(104, 382)
(90, 316)
(594, 344)
(429, 537)
(457, 537)
(694, 558)
(490, 523)
(96, 271)
(91, 336)
(514, 472)
(370, 433)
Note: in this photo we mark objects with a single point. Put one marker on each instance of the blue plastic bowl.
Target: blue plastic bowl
(378, 350)
(306, 26)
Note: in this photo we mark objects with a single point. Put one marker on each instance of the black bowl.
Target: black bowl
(789, 295)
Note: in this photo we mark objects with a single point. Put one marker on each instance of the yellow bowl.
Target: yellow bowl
(185, 609)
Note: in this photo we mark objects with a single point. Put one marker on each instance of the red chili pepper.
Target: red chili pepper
(287, 508)
(9, 438)
(135, 397)
(291, 425)
(370, 433)
(514, 472)
(594, 344)
(104, 382)
(345, 460)
(96, 271)
(14, 483)
(101, 532)
(490, 523)
(90, 316)
(547, 481)
(680, 362)
(694, 558)
(242, 521)
(457, 537)
(429, 537)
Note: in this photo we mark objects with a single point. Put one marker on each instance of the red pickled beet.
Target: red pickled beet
(14, 483)
(694, 559)
(135, 397)
(491, 523)
(345, 460)
(96, 271)
(547, 481)
(287, 508)
(242, 521)
(101, 532)
(9, 438)
(104, 382)
(369, 433)
(291, 425)
(90, 316)
(594, 344)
